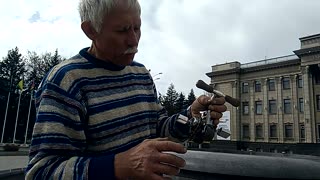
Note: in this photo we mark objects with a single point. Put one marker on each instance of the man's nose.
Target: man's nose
(133, 38)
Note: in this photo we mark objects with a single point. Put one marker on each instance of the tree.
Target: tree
(160, 99)
(40, 65)
(181, 103)
(34, 64)
(12, 70)
(49, 60)
(170, 100)
(191, 98)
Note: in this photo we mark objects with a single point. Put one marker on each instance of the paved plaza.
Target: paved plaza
(13, 162)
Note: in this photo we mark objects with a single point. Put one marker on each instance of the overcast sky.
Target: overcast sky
(181, 39)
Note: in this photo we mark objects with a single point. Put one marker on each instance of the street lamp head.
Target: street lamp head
(157, 74)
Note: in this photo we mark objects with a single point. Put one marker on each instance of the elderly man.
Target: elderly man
(97, 113)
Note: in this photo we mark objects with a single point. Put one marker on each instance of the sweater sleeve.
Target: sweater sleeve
(58, 147)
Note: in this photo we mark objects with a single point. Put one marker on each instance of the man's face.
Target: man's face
(120, 31)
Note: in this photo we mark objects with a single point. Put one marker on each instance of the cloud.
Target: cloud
(180, 38)
(35, 17)
(193, 36)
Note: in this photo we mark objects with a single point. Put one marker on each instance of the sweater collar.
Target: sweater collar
(101, 63)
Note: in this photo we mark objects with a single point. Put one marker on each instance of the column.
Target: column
(235, 122)
(264, 83)
(307, 101)
(252, 108)
(280, 109)
(295, 109)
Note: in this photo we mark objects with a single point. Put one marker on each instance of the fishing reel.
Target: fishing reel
(201, 128)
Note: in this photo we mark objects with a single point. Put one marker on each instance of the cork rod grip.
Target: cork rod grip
(204, 86)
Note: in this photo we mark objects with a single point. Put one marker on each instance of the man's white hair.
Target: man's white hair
(95, 10)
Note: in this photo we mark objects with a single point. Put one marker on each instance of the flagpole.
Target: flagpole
(15, 126)
(26, 133)
(5, 118)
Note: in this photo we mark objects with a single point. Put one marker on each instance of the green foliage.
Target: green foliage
(175, 102)
(180, 103)
(160, 99)
(13, 68)
(39, 65)
(191, 98)
(170, 100)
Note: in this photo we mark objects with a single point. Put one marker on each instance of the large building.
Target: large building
(280, 97)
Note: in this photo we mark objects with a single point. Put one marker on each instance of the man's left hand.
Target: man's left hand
(214, 105)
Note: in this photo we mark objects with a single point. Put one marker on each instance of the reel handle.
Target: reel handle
(204, 86)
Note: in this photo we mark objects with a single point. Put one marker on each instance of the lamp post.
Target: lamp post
(156, 74)
(153, 77)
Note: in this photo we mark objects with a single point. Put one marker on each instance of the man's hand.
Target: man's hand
(215, 105)
(149, 161)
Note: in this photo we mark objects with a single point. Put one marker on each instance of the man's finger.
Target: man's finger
(218, 108)
(166, 169)
(217, 101)
(172, 159)
(155, 176)
(204, 100)
(215, 122)
(169, 146)
(215, 115)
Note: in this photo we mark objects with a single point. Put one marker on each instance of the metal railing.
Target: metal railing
(269, 61)
(12, 174)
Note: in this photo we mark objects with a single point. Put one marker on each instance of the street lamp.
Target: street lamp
(156, 74)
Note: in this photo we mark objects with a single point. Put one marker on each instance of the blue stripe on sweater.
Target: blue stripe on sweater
(55, 140)
(109, 82)
(110, 105)
(125, 133)
(120, 121)
(58, 118)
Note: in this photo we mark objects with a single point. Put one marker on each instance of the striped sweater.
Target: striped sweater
(88, 110)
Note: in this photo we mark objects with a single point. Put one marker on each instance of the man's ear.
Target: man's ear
(88, 29)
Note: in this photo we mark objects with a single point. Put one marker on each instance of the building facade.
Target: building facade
(280, 97)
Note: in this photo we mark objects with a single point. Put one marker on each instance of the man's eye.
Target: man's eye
(122, 30)
(137, 28)
(125, 29)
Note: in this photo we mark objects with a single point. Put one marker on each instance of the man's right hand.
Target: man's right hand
(149, 160)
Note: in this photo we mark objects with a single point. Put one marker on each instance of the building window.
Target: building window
(302, 132)
(271, 85)
(288, 131)
(300, 81)
(258, 107)
(245, 131)
(287, 106)
(272, 107)
(259, 131)
(318, 102)
(286, 83)
(257, 86)
(245, 108)
(273, 131)
(245, 87)
(301, 106)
